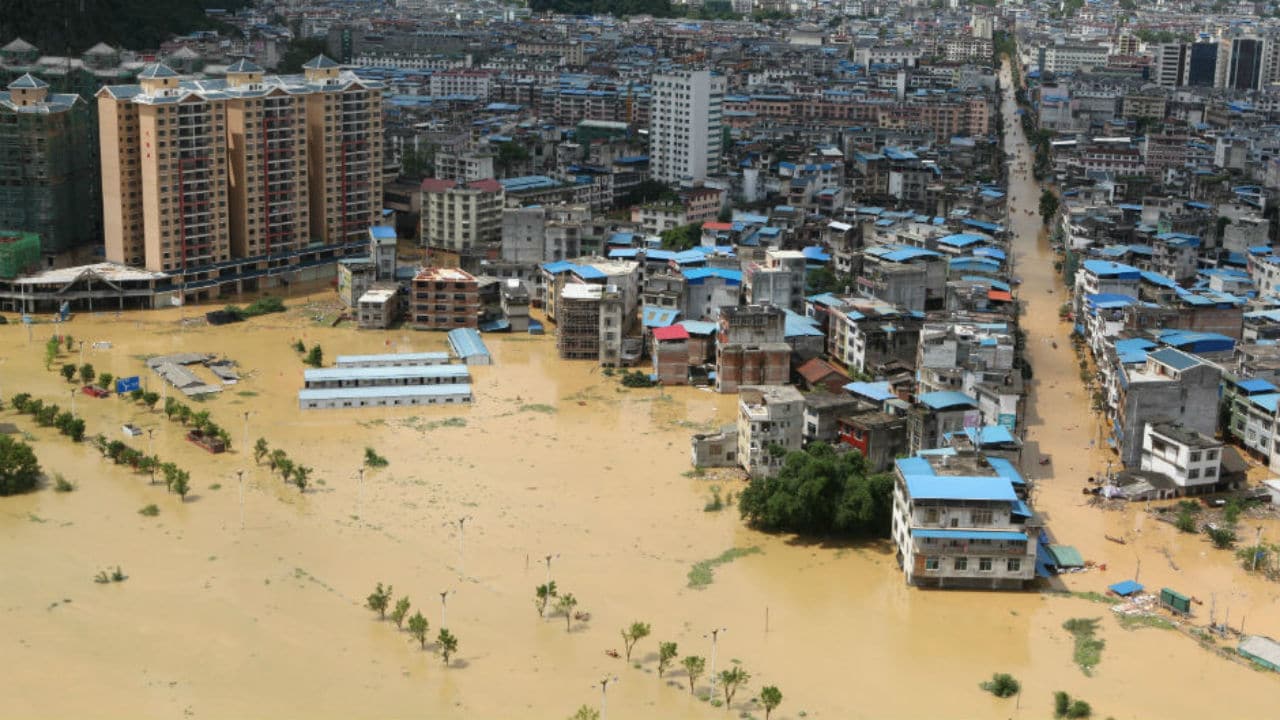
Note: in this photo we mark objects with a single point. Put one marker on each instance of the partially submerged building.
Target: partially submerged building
(960, 521)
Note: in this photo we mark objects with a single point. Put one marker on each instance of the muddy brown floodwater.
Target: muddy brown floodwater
(553, 458)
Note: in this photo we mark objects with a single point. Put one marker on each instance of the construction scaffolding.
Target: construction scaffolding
(19, 253)
(48, 170)
(578, 322)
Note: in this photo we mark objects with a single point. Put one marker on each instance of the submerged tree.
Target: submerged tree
(378, 599)
(260, 450)
(730, 681)
(694, 666)
(448, 644)
(770, 699)
(19, 470)
(820, 492)
(634, 634)
(666, 653)
(543, 595)
(565, 604)
(401, 610)
(418, 628)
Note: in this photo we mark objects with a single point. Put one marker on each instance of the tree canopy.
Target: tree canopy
(820, 492)
(19, 470)
(684, 237)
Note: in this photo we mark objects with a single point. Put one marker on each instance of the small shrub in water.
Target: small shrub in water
(1001, 685)
(61, 485)
(149, 511)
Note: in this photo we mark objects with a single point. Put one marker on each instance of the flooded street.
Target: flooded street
(553, 458)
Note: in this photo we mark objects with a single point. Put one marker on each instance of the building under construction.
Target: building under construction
(48, 168)
(19, 253)
(578, 324)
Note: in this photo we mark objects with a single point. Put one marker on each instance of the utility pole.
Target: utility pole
(240, 474)
(73, 402)
(1257, 549)
(246, 431)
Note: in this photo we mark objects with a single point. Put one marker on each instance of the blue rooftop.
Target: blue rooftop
(961, 240)
(1256, 385)
(1103, 268)
(386, 373)
(946, 534)
(959, 487)
(382, 232)
(466, 342)
(655, 317)
(946, 399)
(877, 391)
(1175, 359)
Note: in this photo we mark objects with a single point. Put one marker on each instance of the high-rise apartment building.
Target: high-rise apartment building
(344, 140)
(1170, 65)
(267, 144)
(47, 166)
(685, 142)
(254, 168)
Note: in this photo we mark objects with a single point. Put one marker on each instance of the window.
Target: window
(962, 563)
(1210, 471)
(984, 564)
(931, 515)
(931, 563)
(1211, 455)
(1013, 565)
(1193, 473)
(980, 517)
(1195, 456)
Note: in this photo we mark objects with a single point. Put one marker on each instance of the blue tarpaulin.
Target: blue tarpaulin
(1126, 588)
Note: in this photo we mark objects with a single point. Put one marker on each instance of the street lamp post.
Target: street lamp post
(604, 695)
(715, 635)
(359, 492)
(549, 558)
(150, 434)
(240, 475)
(246, 430)
(73, 402)
(444, 596)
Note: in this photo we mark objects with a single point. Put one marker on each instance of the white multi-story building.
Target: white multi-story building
(1060, 59)
(768, 415)
(685, 142)
(1170, 65)
(461, 81)
(1189, 458)
(958, 521)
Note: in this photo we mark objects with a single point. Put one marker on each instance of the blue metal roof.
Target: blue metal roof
(946, 534)
(386, 373)
(1006, 470)
(698, 327)
(1175, 359)
(797, 325)
(914, 466)
(382, 232)
(946, 399)
(1253, 385)
(380, 391)
(878, 391)
(959, 487)
(1103, 268)
(815, 252)
(696, 275)
(466, 342)
(989, 435)
(961, 239)
(1267, 401)
(655, 317)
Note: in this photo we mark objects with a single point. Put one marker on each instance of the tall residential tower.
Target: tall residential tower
(685, 142)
